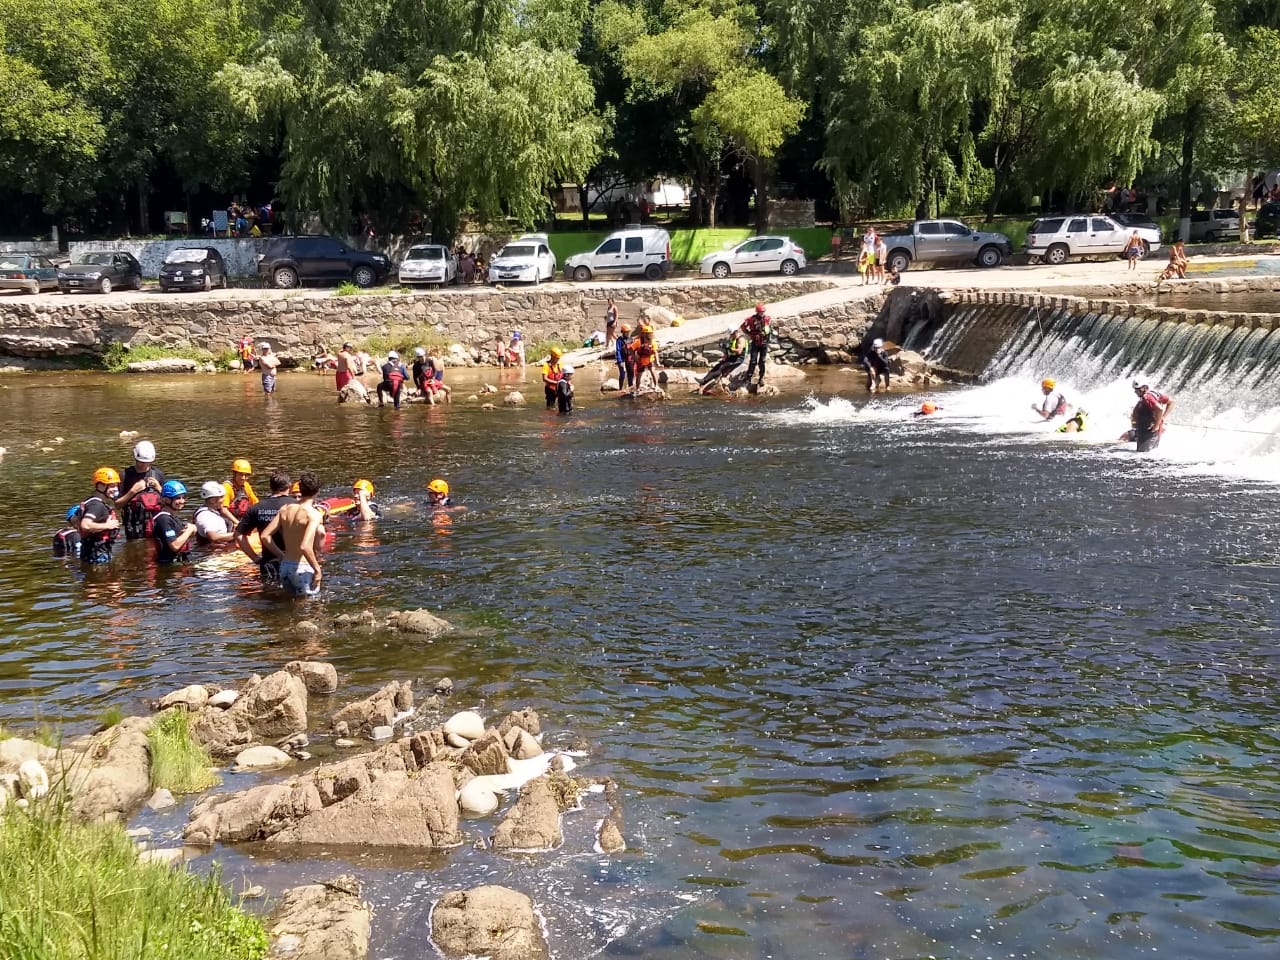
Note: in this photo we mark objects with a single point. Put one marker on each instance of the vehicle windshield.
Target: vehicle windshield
(14, 263)
(186, 255)
(425, 253)
(93, 259)
(517, 250)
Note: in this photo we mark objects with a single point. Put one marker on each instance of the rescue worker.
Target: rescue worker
(421, 370)
(564, 392)
(215, 523)
(394, 376)
(362, 492)
(1148, 417)
(552, 373)
(644, 352)
(734, 347)
(259, 516)
(99, 525)
(172, 537)
(237, 493)
(1075, 423)
(622, 356)
(876, 362)
(66, 542)
(926, 409)
(438, 494)
(140, 500)
(1053, 404)
(435, 375)
(758, 328)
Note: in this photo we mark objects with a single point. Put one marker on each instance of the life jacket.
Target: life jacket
(622, 350)
(758, 327)
(553, 371)
(96, 547)
(735, 346)
(1061, 406)
(644, 351)
(140, 514)
(66, 543)
(237, 501)
(393, 374)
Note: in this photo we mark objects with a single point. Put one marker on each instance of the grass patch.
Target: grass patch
(70, 890)
(403, 342)
(117, 356)
(537, 351)
(349, 289)
(178, 763)
(110, 717)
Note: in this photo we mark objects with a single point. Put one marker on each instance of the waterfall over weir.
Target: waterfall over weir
(1221, 369)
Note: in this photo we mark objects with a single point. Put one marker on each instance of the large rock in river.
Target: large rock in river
(267, 710)
(321, 921)
(377, 710)
(534, 822)
(488, 921)
(113, 777)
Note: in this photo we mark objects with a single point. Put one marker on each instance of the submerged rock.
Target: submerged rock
(514, 399)
(488, 921)
(422, 622)
(534, 822)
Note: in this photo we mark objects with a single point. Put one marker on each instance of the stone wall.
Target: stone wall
(240, 253)
(70, 326)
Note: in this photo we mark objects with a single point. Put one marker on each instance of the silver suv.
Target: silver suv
(1214, 226)
(1055, 239)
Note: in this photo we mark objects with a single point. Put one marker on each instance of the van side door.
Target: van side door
(608, 256)
(632, 254)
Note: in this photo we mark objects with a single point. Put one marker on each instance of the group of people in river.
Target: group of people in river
(282, 533)
(1146, 419)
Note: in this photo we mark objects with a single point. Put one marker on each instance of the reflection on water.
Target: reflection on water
(871, 687)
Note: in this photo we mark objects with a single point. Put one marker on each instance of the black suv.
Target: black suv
(1267, 222)
(286, 262)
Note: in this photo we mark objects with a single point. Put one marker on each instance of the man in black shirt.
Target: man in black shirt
(172, 536)
(99, 524)
(259, 515)
(139, 499)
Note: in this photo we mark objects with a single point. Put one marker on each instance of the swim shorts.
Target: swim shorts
(296, 577)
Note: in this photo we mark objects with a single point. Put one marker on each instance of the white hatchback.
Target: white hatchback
(527, 259)
(429, 263)
(757, 255)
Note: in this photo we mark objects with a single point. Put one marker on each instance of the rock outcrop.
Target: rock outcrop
(316, 675)
(534, 822)
(113, 777)
(489, 921)
(268, 710)
(321, 921)
(378, 710)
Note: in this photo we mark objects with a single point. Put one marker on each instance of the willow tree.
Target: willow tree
(395, 109)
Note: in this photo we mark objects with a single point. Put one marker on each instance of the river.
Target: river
(872, 686)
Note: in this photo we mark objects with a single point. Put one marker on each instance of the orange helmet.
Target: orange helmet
(241, 465)
(438, 486)
(927, 408)
(105, 475)
(295, 489)
(365, 485)
(626, 328)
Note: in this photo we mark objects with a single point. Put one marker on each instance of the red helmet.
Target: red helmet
(759, 308)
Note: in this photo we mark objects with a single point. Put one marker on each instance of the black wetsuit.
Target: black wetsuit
(142, 508)
(564, 396)
(66, 543)
(420, 373)
(164, 530)
(730, 362)
(393, 377)
(259, 515)
(96, 547)
(876, 362)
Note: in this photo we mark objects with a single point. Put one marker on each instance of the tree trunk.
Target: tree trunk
(583, 192)
(144, 217)
(1184, 178)
(712, 193)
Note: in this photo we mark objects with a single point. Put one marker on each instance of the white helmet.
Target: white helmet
(420, 352)
(210, 489)
(392, 355)
(732, 330)
(877, 343)
(144, 451)
(567, 370)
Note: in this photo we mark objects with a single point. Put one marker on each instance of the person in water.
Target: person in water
(1054, 403)
(876, 362)
(394, 376)
(294, 536)
(734, 347)
(435, 376)
(362, 492)
(171, 535)
(215, 523)
(1148, 417)
(268, 363)
(625, 361)
(238, 495)
(420, 371)
(564, 392)
(139, 500)
(257, 520)
(99, 525)
(438, 494)
(927, 408)
(552, 374)
(66, 542)
(1074, 423)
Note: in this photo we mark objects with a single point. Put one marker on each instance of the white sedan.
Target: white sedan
(527, 259)
(429, 263)
(757, 255)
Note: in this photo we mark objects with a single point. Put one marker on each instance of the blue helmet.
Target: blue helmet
(73, 513)
(173, 488)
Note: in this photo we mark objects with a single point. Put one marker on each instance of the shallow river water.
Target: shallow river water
(871, 686)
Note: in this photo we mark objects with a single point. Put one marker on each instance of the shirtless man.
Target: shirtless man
(267, 363)
(300, 527)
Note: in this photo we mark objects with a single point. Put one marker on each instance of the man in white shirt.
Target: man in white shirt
(214, 522)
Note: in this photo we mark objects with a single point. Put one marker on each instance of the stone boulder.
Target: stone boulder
(668, 376)
(191, 698)
(113, 777)
(271, 709)
(487, 755)
(659, 316)
(166, 365)
(521, 744)
(378, 710)
(15, 751)
(463, 727)
(534, 822)
(526, 718)
(262, 758)
(316, 675)
(321, 921)
(514, 399)
(488, 921)
(421, 622)
(608, 384)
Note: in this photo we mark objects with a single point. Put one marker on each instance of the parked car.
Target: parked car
(946, 241)
(1055, 239)
(429, 263)
(193, 268)
(102, 271)
(1267, 221)
(1214, 226)
(636, 251)
(757, 255)
(28, 272)
(288, 262)
(527, 259)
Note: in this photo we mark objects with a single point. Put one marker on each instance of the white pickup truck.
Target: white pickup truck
(946, 241)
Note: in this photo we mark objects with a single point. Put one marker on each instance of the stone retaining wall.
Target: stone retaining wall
(295, 324)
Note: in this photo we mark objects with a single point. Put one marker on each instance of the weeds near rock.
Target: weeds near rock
(178, 762)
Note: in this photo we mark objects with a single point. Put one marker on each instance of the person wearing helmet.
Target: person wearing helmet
(362, 493)
(926, 409)
(1054, 403)
(171, 535)
(644, 354)
(876, 362)
(1148, 417)
(758, 328)
(238, 495)
(257, 519)
(215, 521)
(420, 370)
(438, 493)
(293, 538)
(564, 392)
(66, 542)
(139, 500)
(394, 376)
(268, 363)
(734, 348)
(515, 350)
(1074, 423)
(436, 387)
(623, 358)
(552, 373)
(99, 524)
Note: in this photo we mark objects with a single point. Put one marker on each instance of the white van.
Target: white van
(637, 251)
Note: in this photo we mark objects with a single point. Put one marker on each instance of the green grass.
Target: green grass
(117, 356)
(178, 763)
(403, 342)
(110, 717)
(349, 289)
(70, 891)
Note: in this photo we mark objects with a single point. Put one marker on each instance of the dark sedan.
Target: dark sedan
(1267, 221)
(193, 268)
(27, 272)
(101, 271)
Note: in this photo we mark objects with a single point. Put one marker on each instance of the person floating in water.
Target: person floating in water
(876, 362)
(926, 409)
(1148, 417)
(438, 494)
(1054, 403)
(362, 493)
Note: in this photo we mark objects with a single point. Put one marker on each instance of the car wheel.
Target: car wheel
(137, 282)
(582, 274)
(653, 272)
(223, 282)
(33, 287)
(364, 277)
(899, 261)
(1056, 255)
(104, 285)
(720, 271)
(790, 268)
(990, 257)
(285, 278)
(208, 283)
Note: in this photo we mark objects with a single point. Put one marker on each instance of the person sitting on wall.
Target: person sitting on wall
(1177, 262)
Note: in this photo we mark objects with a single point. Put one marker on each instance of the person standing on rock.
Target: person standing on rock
(876, 362)
(552, 374)
(293, 537)
(625, 361)
(758, 327)
(257, 519)
(610, 324)
(268, 363)
(644, 352)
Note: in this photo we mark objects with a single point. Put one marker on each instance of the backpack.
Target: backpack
(140, 515)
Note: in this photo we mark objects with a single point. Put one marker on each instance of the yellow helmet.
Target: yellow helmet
(556, 353)
(438, 486)
(241, 465)
(295, 489)
(1048, 383)
(106, 475)
(365, 485)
